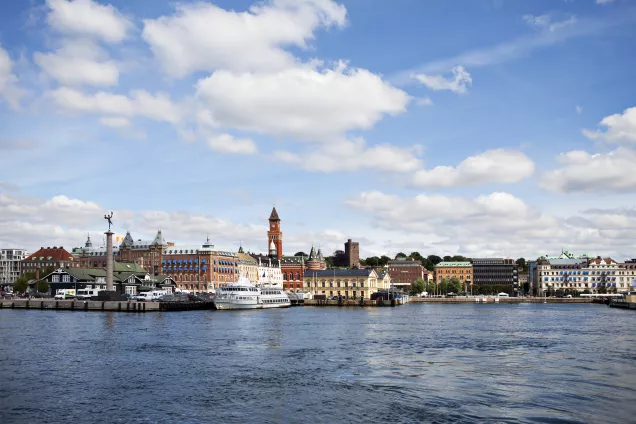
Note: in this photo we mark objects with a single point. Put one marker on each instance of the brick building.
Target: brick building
(46, 257)
(404, 271)
(352, 253)
(293, 269)
(274, 235)
(462, 270)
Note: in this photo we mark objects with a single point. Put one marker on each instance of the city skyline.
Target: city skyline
(372, 122)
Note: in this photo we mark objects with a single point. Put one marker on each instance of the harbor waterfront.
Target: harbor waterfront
(418, 363)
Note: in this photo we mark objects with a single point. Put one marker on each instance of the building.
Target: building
(567, 274)
(46, 257)
(269, 270)
(11, 265)
(462, 270)
(293, 269)
(405, 271)
(199, 268)
(353, 283)
(315, 261)
(352, 253)
(274, 235)
(128, 278)
(496, 271)
(247, 266)
(147, 253)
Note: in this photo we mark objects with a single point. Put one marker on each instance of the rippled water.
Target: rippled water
(417, 363)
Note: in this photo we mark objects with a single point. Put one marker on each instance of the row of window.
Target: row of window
(55, 278)
(346, 284)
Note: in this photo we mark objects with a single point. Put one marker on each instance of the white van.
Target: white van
(86, 294)
(151, 296)
(65, 294)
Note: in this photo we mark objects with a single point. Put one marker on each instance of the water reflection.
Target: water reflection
(423, 363)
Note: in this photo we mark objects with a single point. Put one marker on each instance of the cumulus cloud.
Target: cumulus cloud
(10, 92)
(458, 83)
(205, 37)
(30, 222)
(498, 224)
(492, 166)
(585, 172)
(620, 128)
(226, 143)
(115, 122)
(158, 107)
(79, 62)
(353, 155)
(301, 102)
(88, 18)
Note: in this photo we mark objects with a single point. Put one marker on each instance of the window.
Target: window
(66, 278)
(131, 290)
(55, 278)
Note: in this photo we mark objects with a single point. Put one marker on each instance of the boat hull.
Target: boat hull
(232, 305)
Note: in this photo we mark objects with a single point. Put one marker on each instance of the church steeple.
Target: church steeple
(89, 243)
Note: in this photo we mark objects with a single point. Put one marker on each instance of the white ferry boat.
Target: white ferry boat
(244, 295)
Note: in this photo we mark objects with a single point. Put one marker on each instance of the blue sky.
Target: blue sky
(485, 128)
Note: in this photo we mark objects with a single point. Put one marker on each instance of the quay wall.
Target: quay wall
(501, 300)
(79, 305)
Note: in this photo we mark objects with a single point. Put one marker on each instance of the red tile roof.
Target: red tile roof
(51, 254)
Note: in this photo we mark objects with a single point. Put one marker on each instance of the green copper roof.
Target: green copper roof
(453, 264)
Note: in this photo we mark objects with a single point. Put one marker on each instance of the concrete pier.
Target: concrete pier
(80, 305)
(502, 300)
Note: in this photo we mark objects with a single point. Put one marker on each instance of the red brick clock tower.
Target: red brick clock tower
(274, 235)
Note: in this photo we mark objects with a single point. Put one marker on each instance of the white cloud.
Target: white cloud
(498, 224)
(459, 82)
(88, 18)
(492, 166)
(302, 102)
(424, 101)
(604, 1)
(158, 107)
(10, 92)
(620, 128)
(546, 22)
(226, 143)
(79, 62)
(29, 222)
(115, 122)
(601, 173)
(353, 155)
(579, 109)
(205, 37)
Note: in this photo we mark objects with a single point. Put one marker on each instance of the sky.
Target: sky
(486, 128)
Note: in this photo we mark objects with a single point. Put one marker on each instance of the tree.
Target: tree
(21, 284)
(434, 259)
(586, 291)
(300, 254)
(400, 255)
(384, 260)
(521, 263)
(448, 258)
(418, 286)
(417, 257)
(42, 286)
(454, 285)
(339, 258)
(602, 290)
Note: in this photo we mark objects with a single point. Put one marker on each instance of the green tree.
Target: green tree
(42, 286)
(300, 254)
(417, 257)
(418, 286)
(434, 259)
(587, 291)
(21, 284)
(454, 285)
(339, 259)
(602, 290)
(400, 255)
(521, 263)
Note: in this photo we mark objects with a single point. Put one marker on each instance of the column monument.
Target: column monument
(109, 254)
(110, 293)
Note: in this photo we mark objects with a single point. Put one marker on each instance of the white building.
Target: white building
(11, 265)
(269, 271)
(568, 275)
